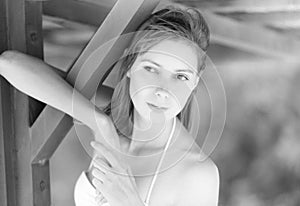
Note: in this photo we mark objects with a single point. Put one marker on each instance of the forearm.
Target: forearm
(38, 80)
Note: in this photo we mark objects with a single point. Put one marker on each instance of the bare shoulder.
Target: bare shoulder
(199, 182)
(204, 171)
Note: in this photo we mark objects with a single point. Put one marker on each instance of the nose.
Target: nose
(162, 93)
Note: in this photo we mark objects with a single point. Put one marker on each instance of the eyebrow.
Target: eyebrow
(178, 70)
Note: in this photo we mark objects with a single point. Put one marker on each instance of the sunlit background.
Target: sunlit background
(258, 155)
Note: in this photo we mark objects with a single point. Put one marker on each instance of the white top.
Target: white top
(85, 193)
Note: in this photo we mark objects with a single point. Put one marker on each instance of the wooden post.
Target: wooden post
(20, 29)
(12, 37)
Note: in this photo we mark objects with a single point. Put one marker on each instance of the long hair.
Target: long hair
(171, 23)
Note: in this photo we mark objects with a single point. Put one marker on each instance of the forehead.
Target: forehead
(172, 54)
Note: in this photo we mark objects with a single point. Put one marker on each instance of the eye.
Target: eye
(182, 77)
(150, 69)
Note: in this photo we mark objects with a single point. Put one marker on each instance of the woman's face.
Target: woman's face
(162, 79)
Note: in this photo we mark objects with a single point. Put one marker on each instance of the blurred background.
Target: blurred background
(255, 46)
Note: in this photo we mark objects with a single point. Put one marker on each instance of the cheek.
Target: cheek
(181, 93)
(138, 91)
(181, 99)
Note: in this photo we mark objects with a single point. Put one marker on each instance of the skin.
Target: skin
(154, 79)
(188, 182)
(154, 70)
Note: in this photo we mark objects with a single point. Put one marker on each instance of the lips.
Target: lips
(152, 106)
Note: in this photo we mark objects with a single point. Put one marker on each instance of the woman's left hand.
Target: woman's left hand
(113, 178)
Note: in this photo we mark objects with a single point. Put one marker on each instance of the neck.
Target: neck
(150, 134)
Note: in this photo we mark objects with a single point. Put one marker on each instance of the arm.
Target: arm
(38, 80)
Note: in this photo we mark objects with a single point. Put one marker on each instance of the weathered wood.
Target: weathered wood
(8, 192)
(3, 193)
(6, 125)
(123, 21)
(34, 47)
(22, 149)
(34, 33)
(79, 11)
(16, 147)
(41, 183)
(43, 148)
(12, 37)
(3, 26)
(19, 20)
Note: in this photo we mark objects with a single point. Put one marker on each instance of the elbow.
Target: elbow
(9, 55)
(6, 59)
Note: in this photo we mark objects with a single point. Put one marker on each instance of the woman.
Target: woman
(149, 113)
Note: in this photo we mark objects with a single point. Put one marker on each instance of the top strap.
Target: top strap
(160, 163)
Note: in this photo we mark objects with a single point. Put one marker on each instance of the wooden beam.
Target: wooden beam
(41, 183)
(40, 172)
(251, 38)
(3, 154)
(79, 11)
(21, 30)
(8, 173)
(124, 20)
(42, 148)
(12, 37)
(34, 47)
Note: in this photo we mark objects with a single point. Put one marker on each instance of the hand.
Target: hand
(113, 178)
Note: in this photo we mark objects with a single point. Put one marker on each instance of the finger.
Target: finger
(103, 201)
(98, 198)
(109, 156)
(100, 186)
(101, 163)
(98, 193)
(99, 175)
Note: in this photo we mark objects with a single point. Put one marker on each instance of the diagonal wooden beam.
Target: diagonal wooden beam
(80, 11)
(123, 21)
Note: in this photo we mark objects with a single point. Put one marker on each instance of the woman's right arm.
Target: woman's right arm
(37, 79)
